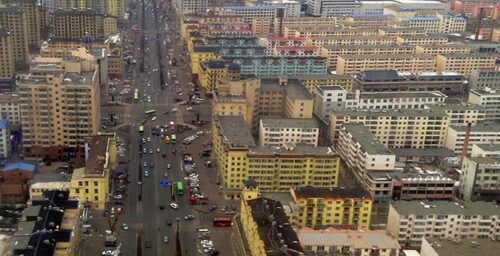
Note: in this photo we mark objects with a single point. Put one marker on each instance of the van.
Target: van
(203, 230)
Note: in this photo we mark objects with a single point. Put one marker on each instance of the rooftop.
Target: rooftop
(387, 56)
(368, 16)
(323, 88)
(50, 177)
(446, 208)
(311, 192)
(488, 147)
(251, 7)
(469, 247)
(296, 90)
(97, 155)
(367, 139)
(450, 106)
(260, 209)
(375, 46)
(486, 160)
(444, 152)
(468, 55)
(21, 166)
(299, 149)
(494, 127)
(235, 131)
(85, 78)
(486, 91)
(355, 239)
(303, 123)
(339, 112)
(384, 95)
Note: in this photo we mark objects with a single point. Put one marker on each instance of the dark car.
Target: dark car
(169, 222)
(162, 206)
(148, 244)
(119, 202)
(213, 252)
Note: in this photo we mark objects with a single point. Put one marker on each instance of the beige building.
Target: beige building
(7, 68)
(32, 11)
(302, 21)
(314, 31)
(399, 128)
(319, 41)
(110, 26)
(479, 134)
(495, 36)
(393, 32)
(442, 49)
(262, 26)
(422, 40)
(76, 24)
(348, 64)
(60, 106)
(461, 113)
(411, 221)
(312, 81)
(465, 63)
(42, 182)
(15, 19)
(282, 131)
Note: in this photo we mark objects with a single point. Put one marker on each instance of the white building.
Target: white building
(292, 8)
(374, 7)
(4, 138)
(423, 5)
(485, 150)
(9, 109)
(461, 113)
(410, 221)
(488, 99)
(251, 12)
(480, 79)
(331, 97)
(480, 178)
(281, 131)
(329, 8)
(362, 152)
(191, 6)
(480, 134)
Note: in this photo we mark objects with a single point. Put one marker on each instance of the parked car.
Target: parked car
(124, 226)
(189, 217)
(174, 206)
(165, 239)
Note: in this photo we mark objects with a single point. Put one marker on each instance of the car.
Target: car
(144, 150)
(143, 140)
(151, 164)
(165, 174)
(189, 217)
(118, 197)
(164, 154)
(118, 202)
(149, 139)
(174, 206)
(124, 226)
(145, 164)
(154, 117)
(169, 222)
(146, 173)
(162, 206)
(213, 253)
(165, 239)
(158, 150)
(148, 244)
(171, 122)
(151, 151)
(168, 166)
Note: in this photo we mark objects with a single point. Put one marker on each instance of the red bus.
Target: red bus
(222, 222)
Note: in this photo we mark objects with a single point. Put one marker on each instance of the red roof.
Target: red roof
(295, 48)
(282, 39)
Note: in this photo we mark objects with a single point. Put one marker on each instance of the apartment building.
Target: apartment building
(362, 152)
(422, 40)
(16, 19)
(442, 49)
(495, 35)
(76, 24)
(489, 100)
(110, 26)
(396, 32)
(396, 128)
(281, 24)
(261, 27)
(348, 64)
(191, 6)
(250, 12)
(331, 8)
(300, 51)
(332, 52)
(59, 104)
(7, 68)
(422, 184)
(349, 242)
(272, 42)
(320, 41)
(31, 9)
(9, 109)
(479, 134)
(43, 182)
(440, 23)
(5, 146)
(461, 113)
(449, 83)
(480, 79)
(373, 21)
(330, 207)
(465, 63)
(485, 150)
(282, 131)
(90, 184)
(312, 81)
(270, 66)
(211, 72)
(203, 54)
(410, 221)
(240, 159)
(479, 178)
(472, 247)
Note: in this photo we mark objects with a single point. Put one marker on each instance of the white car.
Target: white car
(149, 139)
(157, 150)
(174, 206)
(154, 118)
(171, 122)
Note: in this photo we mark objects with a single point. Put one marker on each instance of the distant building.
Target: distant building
(349, 64)
(282, 131)
(5, 146)
(329, 8)
(43, 182)
(7, 58)
(481, 79)
(481, 173)
(466, 246)
(9, 109)
(14, 182)
(191, 6)
(461, 113)
(251, 12)
(489, 99)
(480, 134)
(465, 63)
(15, 18)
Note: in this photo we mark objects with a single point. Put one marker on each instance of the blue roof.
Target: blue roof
(460, 18)
(250, 7)
(21, 166)
(372, 16)
(421, 18)
(3, 124)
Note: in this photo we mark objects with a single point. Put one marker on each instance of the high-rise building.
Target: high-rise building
(31, 9)
(191, 6)
(76, 24)
(7, 67)
(15, 19)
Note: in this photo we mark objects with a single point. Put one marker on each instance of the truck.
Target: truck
(198, 201)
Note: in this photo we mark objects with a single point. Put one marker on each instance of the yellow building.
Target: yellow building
(273, 168)
(76, 24)
(350, 40)
(422, 40)
(465, 63)
(261, 26)
(211, 72)
(348, 64)
(32, 12)
(442, 49)
(7, 69)
(91, 183)
(310, 82)
(110, 26)
(308, 31)
(55, 118)
(202, 54)
(332, 52)
(393, 32)
(331, 207)
(495, 36)
(71, 221)
(301, 21)
(15, 19)
(299, 102)
(43, 182)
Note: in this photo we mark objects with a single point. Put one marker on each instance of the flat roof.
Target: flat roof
(468, 55)
(298, 149)
(338, 192)
(235, 131)
(485, 160)
(50, 177)
(340, 112)
(488, 147)
(469, 247)
(493, 127)
(97, 155)
(85, 78)
(296, 90)
(367, 140)
(456, 106)
(270, 84)
(387, 56)
(482, 92)
(374, 46)
(445, 208)
(420, 152)
(322, 88)
(355, 239)
(383, 95)
(303, 123)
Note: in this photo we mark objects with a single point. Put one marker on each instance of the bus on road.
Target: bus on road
(136, 94)
(222, 222)
(141, 129)
(173, 139)
(150, 112)
(180, 188)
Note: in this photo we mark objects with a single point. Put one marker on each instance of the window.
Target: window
(77, 191)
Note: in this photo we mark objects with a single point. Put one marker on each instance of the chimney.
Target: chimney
(466, 144)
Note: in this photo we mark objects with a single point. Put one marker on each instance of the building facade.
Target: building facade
(480, 79)
(31, 9)
(465, 63)
(348, 64)
(76, 24)
(9, 109)
(5, 145)
(479, 179)
(479, 134)
(489, 99)
(15, 19)
(282, 131)
(7, 67)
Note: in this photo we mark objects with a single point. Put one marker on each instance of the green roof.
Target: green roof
(235, 131)
(494, 127)
(445, 208)
(340, 112)
(303, 123)
(446, 106)
(367, 140)
(299, 149)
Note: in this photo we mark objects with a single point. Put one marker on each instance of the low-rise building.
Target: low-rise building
(379, 185)
(472, 247)
(312, 81)
(282, 131)
(269, 66)
(90, 184)
(394, 32)
(43, 182)
(489, 100)
(348, 64)
(349, 242)
(481, 79)
(465, 63)
(280, 24)
(5, 145)
(436, 49)
(461, 113)
(9, 109)
(479, 134)
(449, 83)
(422, 40)
(485, 150)
(373, 21)
(480, 178)
(342, 37)
(411, 221)
(14, 182)
(422, 184)
(421, 155)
